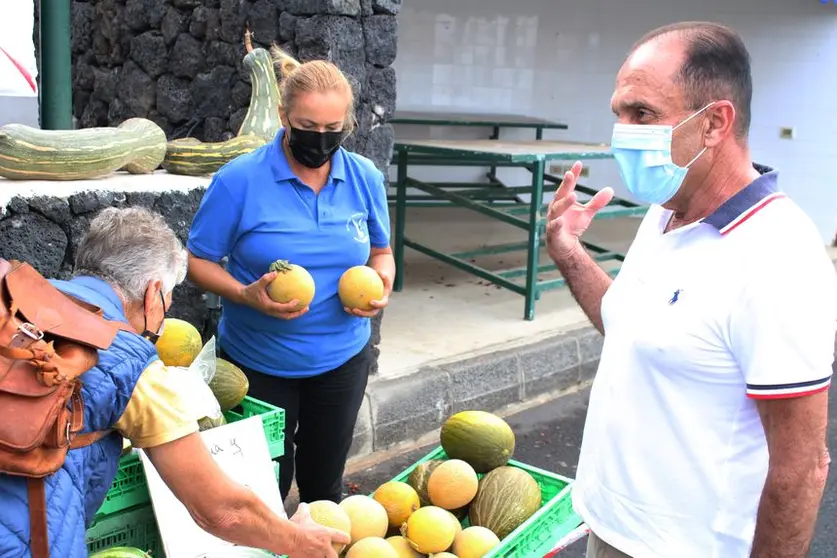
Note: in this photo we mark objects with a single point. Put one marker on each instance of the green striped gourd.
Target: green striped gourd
(262, 118)
(137, 146)
(192, 157)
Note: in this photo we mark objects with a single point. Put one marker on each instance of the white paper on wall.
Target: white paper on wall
(18, 68)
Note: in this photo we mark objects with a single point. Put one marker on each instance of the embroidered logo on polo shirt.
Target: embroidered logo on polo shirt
(356, 225)
(676, 296)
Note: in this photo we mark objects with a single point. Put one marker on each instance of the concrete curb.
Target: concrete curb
(403, 409)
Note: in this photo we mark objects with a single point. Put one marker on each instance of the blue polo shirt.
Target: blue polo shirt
(256, 211)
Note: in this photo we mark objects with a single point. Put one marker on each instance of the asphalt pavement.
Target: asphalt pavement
(549, 437)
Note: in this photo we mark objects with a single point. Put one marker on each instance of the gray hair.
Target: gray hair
(130, 248)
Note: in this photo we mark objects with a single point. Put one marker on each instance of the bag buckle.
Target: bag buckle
(30, 330)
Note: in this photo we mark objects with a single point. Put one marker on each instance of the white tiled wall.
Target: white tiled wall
(558, 59)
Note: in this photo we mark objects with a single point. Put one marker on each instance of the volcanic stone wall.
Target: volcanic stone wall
(179, 63)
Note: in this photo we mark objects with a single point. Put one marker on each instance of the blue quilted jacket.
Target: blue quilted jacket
(76, 492)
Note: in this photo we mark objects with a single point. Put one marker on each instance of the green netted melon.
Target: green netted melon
(121, 552)
(483, 440)
(420, 475)
(207, 423)
(507, 496)
(229, 385)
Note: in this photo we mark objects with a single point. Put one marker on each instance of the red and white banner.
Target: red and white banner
(18, 69)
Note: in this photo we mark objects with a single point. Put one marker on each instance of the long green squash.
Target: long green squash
(137, 146)
(262, 118)
(192, 157)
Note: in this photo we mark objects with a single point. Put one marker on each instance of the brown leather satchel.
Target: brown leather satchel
(47, 340)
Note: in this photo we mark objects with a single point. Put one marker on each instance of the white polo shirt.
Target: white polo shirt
(699, 323)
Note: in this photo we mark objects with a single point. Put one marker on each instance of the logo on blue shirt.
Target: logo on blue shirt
(356, 225)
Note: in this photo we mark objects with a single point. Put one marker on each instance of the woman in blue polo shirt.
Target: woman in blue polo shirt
(305, 199)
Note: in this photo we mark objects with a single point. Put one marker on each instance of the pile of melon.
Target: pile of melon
(461, 507)
(180, 344)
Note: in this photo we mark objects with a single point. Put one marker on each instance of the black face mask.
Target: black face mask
(313, 149)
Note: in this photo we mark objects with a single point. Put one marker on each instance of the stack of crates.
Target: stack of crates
(126, 517)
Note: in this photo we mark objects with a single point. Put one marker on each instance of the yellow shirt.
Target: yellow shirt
(157, 412)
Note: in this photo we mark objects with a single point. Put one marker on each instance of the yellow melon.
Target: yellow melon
(292, 282)
(368, 517)
(399, 499)
(456, 522)
(330, 514)
(179, 344)
(402, 547)
(430, 529)
(474, 542)
(358, 285)
(452, 485)
(444, 555)
(372, 547)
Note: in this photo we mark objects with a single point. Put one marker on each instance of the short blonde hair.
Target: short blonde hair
(313, 76)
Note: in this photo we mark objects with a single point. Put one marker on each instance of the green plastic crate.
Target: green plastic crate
(538, 534)
(135, 527)
(129, 487)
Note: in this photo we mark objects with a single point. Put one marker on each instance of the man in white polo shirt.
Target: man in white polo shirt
(705, 435)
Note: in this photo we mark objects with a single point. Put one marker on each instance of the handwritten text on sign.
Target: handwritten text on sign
(240, 449)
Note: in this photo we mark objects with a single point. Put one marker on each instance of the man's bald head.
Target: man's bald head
(714, 64)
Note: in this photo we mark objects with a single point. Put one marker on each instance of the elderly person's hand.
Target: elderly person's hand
(255, 295)
(313, 539)
(377, 305)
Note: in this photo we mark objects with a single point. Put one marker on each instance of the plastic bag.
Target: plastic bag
(204, 363)
(194, 383)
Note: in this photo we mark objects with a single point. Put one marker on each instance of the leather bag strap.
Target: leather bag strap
(38, 532)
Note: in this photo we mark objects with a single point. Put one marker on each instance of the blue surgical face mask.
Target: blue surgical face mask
(643, 153)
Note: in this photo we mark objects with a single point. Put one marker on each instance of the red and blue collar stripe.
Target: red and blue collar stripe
(746, 203)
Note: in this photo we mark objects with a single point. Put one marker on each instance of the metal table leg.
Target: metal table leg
(400, 218)
(533, 245)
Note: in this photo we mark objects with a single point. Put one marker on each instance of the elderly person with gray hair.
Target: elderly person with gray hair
(128, 265)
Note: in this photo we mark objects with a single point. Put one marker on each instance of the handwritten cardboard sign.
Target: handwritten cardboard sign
(240, 449)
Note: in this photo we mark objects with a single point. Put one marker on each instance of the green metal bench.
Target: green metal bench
(500, 202)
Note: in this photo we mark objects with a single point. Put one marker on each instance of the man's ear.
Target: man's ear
(283, 118)
(720, 123)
